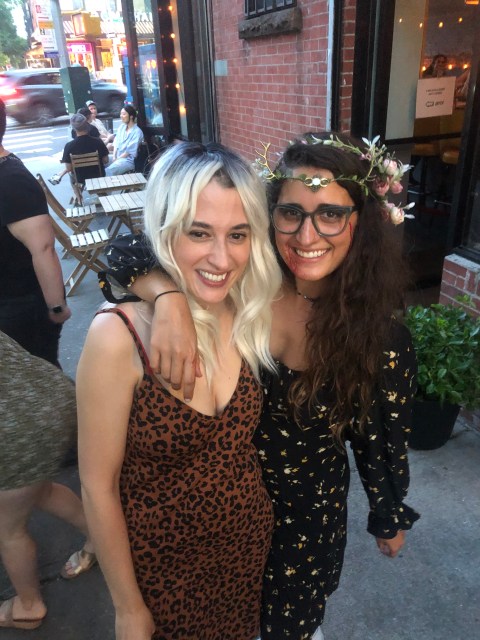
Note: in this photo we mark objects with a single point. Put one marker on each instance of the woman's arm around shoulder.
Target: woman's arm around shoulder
(107, 376)
(173, 344)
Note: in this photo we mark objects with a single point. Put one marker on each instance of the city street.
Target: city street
(29, 142)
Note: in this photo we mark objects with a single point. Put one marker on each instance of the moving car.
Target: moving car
(36, 95)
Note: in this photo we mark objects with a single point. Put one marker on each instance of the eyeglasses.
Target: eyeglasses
(328, 219)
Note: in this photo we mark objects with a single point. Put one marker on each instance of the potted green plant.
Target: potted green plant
(447, 343)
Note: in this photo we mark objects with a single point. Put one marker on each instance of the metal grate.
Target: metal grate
(255, 8)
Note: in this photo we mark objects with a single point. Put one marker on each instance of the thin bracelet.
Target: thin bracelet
(165, 293)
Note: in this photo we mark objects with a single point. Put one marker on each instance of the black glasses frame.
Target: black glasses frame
(346, 210)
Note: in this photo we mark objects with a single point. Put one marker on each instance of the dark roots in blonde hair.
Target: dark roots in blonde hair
(348, 332)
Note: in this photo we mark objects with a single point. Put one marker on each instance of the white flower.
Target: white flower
(390, 166)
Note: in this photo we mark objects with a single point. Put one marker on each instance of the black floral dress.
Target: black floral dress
(307, 477)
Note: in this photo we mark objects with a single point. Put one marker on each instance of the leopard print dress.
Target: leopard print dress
(197, 511)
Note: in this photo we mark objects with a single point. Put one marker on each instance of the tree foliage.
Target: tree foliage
(12, 47)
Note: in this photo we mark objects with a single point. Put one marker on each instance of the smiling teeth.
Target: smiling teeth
(212, 276)
(311, 254)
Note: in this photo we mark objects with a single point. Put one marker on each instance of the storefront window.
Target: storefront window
(81, 53)
(144, 50)
(429, 83)
(169, 67)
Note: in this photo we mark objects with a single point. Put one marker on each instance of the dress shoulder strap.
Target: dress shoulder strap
(133, 332)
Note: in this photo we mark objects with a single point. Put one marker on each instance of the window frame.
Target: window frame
(256, 8)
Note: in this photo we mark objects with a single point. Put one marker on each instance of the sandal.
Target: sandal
(78, 563)
(17, 623)
(55, 179)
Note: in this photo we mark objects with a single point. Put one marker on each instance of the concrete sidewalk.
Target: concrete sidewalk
(430, 592)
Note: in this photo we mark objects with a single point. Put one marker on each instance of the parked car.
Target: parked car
(36, 95)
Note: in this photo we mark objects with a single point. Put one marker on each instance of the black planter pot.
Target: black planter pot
(432, 424)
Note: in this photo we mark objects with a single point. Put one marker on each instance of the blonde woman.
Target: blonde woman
(173, 493)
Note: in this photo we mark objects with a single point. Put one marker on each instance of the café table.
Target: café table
(123, 207)
(124, 182)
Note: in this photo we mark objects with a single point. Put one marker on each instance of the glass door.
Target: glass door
(429, 83)
(170, 67)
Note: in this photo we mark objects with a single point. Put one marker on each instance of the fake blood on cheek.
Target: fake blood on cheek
(291, 260)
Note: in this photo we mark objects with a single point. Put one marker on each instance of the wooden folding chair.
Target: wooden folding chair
(76, 218)
(86, 248)
(136, 220)
(81, 161)
(84, 244)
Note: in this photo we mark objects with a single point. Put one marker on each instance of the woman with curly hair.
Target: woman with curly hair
(346, 368)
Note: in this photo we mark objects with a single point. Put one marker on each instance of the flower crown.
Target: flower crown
(383, 176)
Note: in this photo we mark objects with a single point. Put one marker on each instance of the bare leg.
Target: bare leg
(63, 503)
(18, 550)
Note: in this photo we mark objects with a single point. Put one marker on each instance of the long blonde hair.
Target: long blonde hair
(174, 185)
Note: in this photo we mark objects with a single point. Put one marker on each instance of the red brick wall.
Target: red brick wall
(276, 86)
(461, 276)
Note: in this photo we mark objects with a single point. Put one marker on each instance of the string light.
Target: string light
(440, 25)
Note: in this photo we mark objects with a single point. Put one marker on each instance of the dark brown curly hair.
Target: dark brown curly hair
(347, 333)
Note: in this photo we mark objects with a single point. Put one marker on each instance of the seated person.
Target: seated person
(91, 131)
(127, 141)
(437, 68)
(83, 143)
(157, 118)
(105, 136)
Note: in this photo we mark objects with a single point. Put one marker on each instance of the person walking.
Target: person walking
(33, 306)
(32, 311)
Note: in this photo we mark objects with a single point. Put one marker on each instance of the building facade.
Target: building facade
(247, 72)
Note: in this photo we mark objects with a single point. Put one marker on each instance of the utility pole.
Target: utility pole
(59, 33)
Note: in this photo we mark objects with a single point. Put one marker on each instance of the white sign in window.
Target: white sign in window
(435, 97)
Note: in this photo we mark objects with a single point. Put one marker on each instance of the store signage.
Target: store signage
(435, 97)
(79, 47)
(46, 31)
